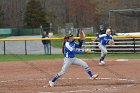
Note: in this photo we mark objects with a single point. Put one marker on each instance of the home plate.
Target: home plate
(121, 60)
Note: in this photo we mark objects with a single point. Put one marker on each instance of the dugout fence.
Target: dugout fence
(34, 45)
(122, 45)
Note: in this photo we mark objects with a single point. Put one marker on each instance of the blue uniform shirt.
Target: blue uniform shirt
(104, 39)
(70, 49)
(45, 41)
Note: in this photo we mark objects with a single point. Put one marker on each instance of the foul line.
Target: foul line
(5, 81)
(101, 79)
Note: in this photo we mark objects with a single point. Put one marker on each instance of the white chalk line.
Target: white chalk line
(119, 79)
(99, 79)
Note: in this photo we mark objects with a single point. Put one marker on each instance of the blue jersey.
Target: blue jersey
(45, 41)
(104, 39)
(70, 49)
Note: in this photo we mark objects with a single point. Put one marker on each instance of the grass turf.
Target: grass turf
(8, 58)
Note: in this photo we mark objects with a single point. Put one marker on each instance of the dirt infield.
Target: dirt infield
(117, 76)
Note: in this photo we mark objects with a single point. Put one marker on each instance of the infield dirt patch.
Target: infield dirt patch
(116, 76)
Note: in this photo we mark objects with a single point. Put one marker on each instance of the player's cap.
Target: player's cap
(70, 35)
(108, 30)
(67, 36)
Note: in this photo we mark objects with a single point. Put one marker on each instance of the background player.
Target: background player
(46, 43)
(100, 32)
(69, 51)
(104, 39)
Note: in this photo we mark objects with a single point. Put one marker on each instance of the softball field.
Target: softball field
(117, 76)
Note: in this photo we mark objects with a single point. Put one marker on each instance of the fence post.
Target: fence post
(4, 48)
(134, 45)
(50, 48)
(25, 48)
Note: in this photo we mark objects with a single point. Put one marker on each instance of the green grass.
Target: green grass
(28, 57)
(9, 58)
(57, 43)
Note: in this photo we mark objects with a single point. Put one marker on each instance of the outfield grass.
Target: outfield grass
(9, 58)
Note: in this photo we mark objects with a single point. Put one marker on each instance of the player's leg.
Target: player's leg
(103, 53)
(85, 65)
(67, 63)
(45, 50)
(48, 48)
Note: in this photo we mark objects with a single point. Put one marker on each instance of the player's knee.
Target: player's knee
(105, 52)
(85, 65)
(61, 73)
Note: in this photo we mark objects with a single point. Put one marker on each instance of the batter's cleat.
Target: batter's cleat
(51, 84)
(102, 63)
(95, 76)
